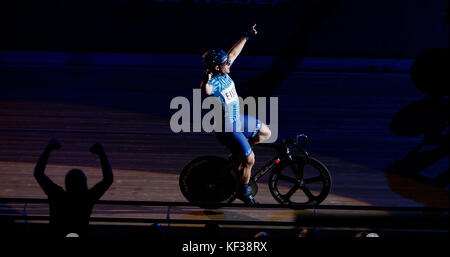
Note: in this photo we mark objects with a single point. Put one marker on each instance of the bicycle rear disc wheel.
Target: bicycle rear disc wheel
(303, 180)
(208, 179)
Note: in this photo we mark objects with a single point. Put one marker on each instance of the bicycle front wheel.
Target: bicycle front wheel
(303, 180)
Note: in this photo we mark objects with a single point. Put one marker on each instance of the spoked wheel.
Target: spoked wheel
(304, 180)
(208, 179)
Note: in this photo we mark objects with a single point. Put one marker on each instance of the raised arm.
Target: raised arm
(204, 86)
(100, 188)
(234, 52)
(44, 181)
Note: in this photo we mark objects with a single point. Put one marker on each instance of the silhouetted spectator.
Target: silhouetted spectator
(313, 232)
(366, 234)
(261, 234)
(157, 231)
(71, 209)
(211, 231)
(7, 227)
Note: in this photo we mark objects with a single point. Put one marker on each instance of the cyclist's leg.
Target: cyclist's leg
(255, 130)
(263, 134)
(246, 168)
(240, 148)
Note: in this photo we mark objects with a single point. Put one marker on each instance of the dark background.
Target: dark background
(333, 28)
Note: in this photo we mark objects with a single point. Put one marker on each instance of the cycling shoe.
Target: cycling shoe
(247, 199)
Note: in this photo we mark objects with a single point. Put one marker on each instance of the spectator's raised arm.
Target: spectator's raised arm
(44, 181)
(100, 188)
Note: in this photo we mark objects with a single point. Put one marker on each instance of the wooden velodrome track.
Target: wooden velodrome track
(346, 116)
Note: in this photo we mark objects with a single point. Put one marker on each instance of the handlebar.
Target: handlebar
(300, 141)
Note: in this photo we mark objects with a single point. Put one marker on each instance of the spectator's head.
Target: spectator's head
(157, 231)
(361, 234)
(366, 234)
(76, 181)
(261, 234)
(211, 230)
(310, 232)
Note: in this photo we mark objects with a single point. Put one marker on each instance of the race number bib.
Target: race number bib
(229, 94)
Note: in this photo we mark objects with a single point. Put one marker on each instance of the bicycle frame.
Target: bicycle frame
(283, 153)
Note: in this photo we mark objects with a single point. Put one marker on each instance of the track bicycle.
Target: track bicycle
(293, 179)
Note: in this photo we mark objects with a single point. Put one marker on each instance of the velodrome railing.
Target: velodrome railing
(399, 217)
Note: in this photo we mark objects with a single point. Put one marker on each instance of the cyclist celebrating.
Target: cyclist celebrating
(239, 132)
